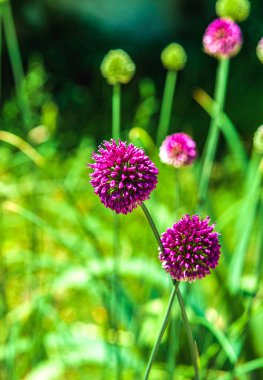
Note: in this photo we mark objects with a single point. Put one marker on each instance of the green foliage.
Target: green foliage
(57, 259)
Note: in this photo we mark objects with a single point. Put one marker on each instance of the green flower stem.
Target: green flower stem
(1, 17)
(220, 92)
(116, 111)
(16, 60)
(153, 227)
(168, 311)
(162, 330)
(166, 107)
(189, 334)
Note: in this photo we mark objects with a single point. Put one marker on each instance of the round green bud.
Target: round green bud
(117, 67)
(237, 10)
(174, 57)
(258, 140)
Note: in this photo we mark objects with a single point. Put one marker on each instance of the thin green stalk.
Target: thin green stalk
(1, 17)
(116, 106)
(247, 220)
(152, 225)
(166, 107)
(177, 189)
(220, 92)
(168, 311)
(162, 330)
(116, 112)
(191, 342)
(173, 347)
(226, 126)
(16, 61)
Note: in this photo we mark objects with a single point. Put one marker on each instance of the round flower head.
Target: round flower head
(117, 67)
(174, 57)
(123, 176)
(178, 150)
(260, 50)
(190, 249)
(238, 10)
(258, 140)
(222, 38)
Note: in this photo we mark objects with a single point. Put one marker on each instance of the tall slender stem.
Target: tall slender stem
(166, 107)
(16, 61)
(168, 311)
(189, 334)
(162, 330)
(116, 112)
(1, 17)
(116, 107)
(152, 225)
(220, 92)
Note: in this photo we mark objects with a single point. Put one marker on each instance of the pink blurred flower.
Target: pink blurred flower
(222, 38)
(178, 150)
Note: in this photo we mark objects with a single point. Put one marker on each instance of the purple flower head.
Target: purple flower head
(178, 150)
(190, 248)
(123, 176)
(222, 38)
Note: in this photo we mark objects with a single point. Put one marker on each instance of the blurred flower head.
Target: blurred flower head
(190, 249)
(123, 176)
(260, 50)
(178, 150)
(174, 57)
(258, 140)
(117, 67)
(237, 10)
(222, 38)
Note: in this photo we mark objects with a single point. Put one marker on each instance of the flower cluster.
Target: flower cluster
(238, 10)
(123, 176)
(190, 249)
(174, 57)
(222, 38)
(178, 150)
(117, 67)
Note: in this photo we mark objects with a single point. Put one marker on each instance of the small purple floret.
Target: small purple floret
(191, 249)
(222, 38)
(123, 176)
(178, 150)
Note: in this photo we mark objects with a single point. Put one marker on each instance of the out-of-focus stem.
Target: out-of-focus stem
(116, 112)
(162, 330)
(116, 107)
(220, 92)
(189, 334)
(16, 60)
(175, 290)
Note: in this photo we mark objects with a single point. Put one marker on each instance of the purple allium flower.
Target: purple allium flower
(123, 176)
(222, 38)
(190, 248)
(260, 50)
(178, 150)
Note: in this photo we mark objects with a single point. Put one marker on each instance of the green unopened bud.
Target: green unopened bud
(258, 140)
(238, 10)
(174, 57)
(260, 50)
(117, 67)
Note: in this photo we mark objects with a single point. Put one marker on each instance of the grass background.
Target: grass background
(56, 244)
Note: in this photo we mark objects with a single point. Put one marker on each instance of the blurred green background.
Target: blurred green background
(60, 303)
(72, 37)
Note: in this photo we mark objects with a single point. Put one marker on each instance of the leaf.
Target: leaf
(226, 125)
